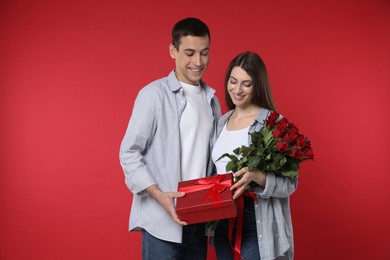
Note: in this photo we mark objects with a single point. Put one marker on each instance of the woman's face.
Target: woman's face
(240, 87)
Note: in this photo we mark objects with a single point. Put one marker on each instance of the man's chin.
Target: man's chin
(197, 77)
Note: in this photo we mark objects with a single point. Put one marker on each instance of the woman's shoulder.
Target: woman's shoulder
(222, 120)
(263, 114)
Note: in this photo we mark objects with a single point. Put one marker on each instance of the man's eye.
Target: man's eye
(204, 53)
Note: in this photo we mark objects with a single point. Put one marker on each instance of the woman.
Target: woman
(267, 228)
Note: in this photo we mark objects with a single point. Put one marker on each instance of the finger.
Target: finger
(239, 183)
(240, 172)
(178, 194)
(240, 188)
(235, 186)
(177, 220)
(238, 192)
(183, 223)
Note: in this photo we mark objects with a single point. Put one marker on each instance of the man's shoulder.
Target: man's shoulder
(158, 83)
(163, 85)
(156, 87)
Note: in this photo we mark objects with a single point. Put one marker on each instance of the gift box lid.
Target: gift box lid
(205, 193)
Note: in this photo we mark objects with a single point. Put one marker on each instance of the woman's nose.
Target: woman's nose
(237, 88)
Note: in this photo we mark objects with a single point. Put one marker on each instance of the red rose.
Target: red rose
(300, 141)
(272, 119)
(309, 154)
(280, 128)
(289, 137)
(307, 144)
(282, 146)
(296, 153)
(293, 128)
(278, 132)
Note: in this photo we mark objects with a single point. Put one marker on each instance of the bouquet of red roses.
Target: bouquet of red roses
(278, 148)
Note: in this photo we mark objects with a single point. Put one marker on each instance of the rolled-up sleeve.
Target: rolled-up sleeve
(278, 187)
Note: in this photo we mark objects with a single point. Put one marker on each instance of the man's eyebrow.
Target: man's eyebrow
(189, 49)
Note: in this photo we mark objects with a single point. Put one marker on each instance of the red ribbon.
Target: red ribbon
(214, 184)
(240, 221)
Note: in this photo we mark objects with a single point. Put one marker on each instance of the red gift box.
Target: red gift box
(206, 199)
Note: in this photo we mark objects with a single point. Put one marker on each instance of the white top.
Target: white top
(226, 143)
(195, 129)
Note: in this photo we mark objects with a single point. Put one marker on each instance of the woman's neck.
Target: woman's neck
(242, 118)
(249, 111)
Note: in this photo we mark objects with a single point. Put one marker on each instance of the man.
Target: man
(169, 139)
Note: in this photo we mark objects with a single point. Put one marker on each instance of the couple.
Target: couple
(176, 133)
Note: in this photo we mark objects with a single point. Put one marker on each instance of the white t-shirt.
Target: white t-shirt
(226, 143)
(195, 129)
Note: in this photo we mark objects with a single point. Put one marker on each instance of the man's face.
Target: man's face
(191, 59)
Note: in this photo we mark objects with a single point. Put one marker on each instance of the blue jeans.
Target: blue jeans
(249, 246)
(193, 246)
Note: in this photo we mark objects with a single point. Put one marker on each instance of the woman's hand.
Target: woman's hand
(247, 177)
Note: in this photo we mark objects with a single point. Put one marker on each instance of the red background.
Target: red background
(70, 71)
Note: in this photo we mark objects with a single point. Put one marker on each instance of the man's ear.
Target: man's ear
(172, 51)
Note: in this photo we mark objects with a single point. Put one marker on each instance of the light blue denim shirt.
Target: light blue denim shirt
(150, 152)
(272, 207)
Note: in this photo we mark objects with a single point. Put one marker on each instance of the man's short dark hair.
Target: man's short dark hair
(188, 27)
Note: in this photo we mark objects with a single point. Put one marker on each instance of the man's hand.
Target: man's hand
(166, 201)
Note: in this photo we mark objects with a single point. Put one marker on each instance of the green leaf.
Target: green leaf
(256, 138)
(253, 162)
(282, 161)
(233, 158)
(247, 150)
(279, 160)
(268, 137)
(244, 159)
(260, 151)
(231, 166)
(223, 155)
(271, 168)
(291, 164)
(237, 150)
(262, 166)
